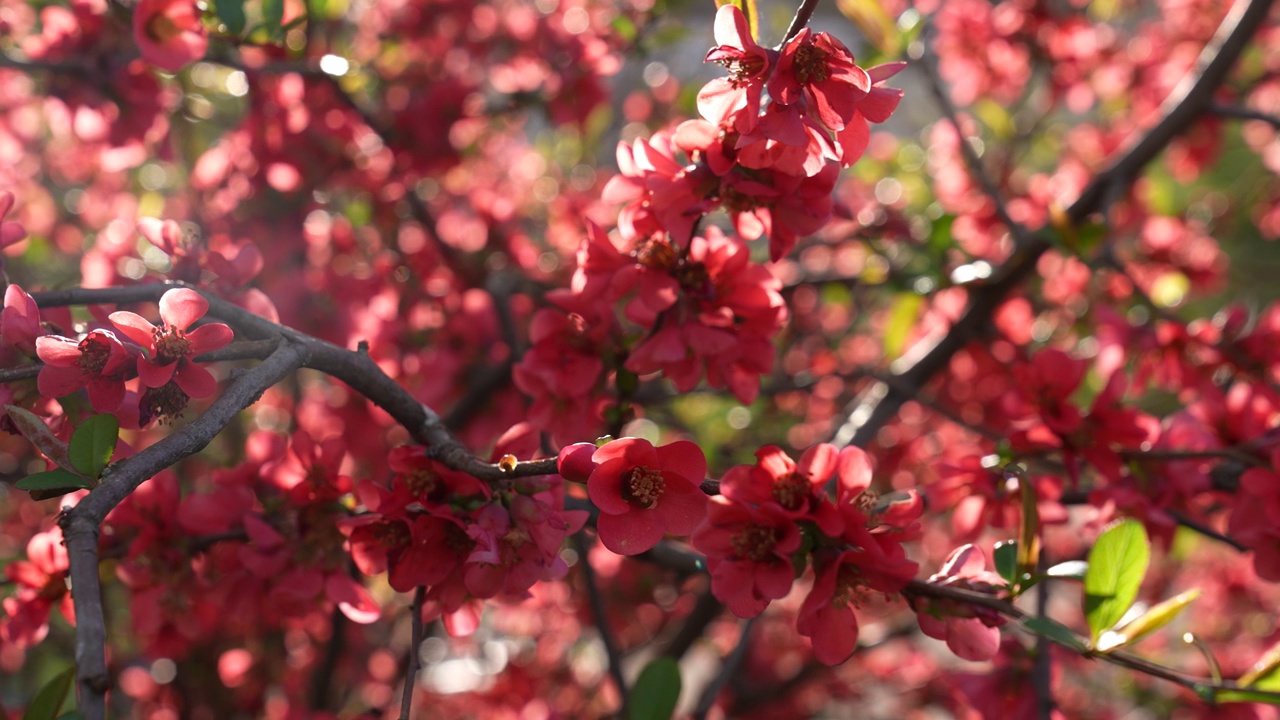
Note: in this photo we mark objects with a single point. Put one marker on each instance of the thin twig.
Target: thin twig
(727, 670)
(803, 14)
(598, 612)
(415, 644)
(1244, 113)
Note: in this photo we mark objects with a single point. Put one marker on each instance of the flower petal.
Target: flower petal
(135, 327)
(57, 350)
(154, 375)
(56, 382)
(195, 380)
(209, 337)
(630, 534)
(180, 307)
(682, 506)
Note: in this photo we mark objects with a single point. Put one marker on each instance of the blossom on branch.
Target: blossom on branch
(645, 492)
(99, 362)
(971, 631)
(171, 346)
(169, 33)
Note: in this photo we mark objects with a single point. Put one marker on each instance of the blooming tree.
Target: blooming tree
(898, 361)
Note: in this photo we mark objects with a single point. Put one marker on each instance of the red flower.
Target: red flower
(734, 100)
(171, 346)
(876, 106)
(798, 491)
(972, 632)
(748, 549)
(644, 492)
(843, 579)
(169, 33)
(20, 320)
(819, 68)
(99, 361)
(41, 582)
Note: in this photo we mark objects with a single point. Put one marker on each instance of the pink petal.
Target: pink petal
(209, 337)
(56, 382)
(181, 307)
(164, 234)
(682, 506)
(685, 459)
(195, 380)
(57, 350)
(630, 534)
(969, 639)
(135, 327)
(352, 599)
(604, 487)
(855, 471)
(819, 463)
(731, 583)
(774, 461)
(837, 635)
(153, 375)
(636, 451)
(106, 395)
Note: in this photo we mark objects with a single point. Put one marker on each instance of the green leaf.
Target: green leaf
(231, 13)
(1241, 695)
(93, 443)
(656, 691)
(273, 18)
(52, 483)
(1148, 622)
(1005, 554)
(902, 317)
(1055, 631)
(749, 11)
(34, 429)
(1117, 564)
(48, 701)
(1265, 673)
(73, 715)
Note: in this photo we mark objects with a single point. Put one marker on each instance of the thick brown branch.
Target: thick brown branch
(81, 524)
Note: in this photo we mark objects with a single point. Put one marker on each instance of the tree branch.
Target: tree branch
(81, 524)
(880, 403)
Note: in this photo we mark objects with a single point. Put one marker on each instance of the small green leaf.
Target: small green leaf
(1213, 695)
(1117, 564)
(656, 691)
(52, 483)
(1148, 622)
(231, 13)
(1055, 631)
(1005, 554)
(73, 715)
(34, 429)
(48, 701)
(93, 443)
(902, 318)
(273, 18)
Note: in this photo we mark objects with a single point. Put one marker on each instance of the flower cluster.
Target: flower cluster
(464, 542)
(776, 516)
(770, 165)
